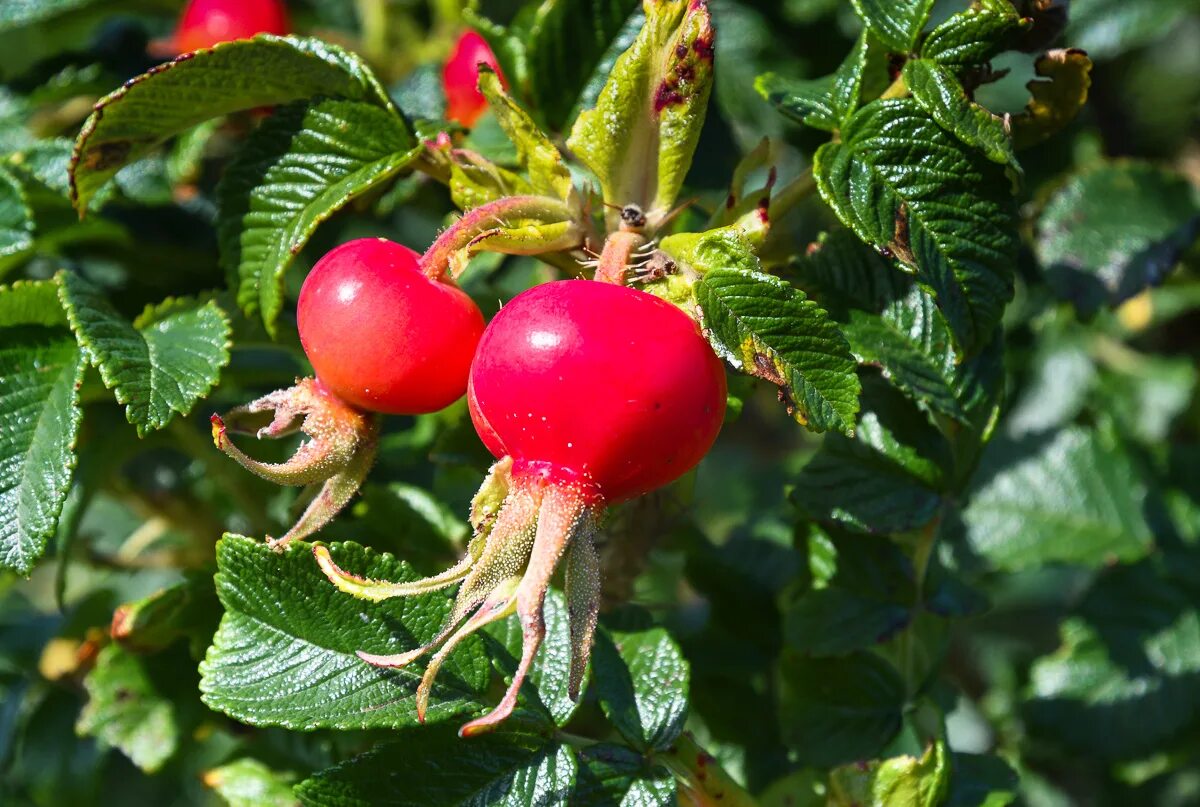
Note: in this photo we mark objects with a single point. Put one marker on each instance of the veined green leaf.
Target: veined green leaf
(284, 654)
(246, 782)
(904, 780)
(299, 168)
(616, 774)
(159, 365)
(1115, 229)
(973, 36)
(642, 683)
(897, 23)
(769, 329)
(16, 219)
(180, 94)
(1060, 497)
(432, 767)
(41, 368)
(824, 103)
(940, 93)
(916, 193)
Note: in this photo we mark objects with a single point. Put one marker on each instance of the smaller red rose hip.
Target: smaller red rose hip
(205, 23)
(382, 335)
(460, 78)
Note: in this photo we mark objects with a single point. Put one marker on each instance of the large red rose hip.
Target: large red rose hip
(382, 335)
(597, 383)
(460, 78)
(205, 23)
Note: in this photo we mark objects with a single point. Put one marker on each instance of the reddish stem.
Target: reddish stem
(486, 218)
(614, 260)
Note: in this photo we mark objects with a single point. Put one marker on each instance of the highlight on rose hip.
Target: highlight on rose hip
(599, 402)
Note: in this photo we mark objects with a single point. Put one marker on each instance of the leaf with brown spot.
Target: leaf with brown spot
(1055, 98)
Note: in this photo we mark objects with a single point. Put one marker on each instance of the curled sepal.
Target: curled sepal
(333, 461)
(518, 545)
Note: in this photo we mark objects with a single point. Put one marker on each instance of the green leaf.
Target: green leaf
(911, 344)
(126, 710)
(297, 169)
(904, 780)
(1115, 229)
(925, 199)
(940, 93)
(548, 174)
(842, 272)
(974, 36)
(767, 328)
(1124, 682)
(838, 710)
(640, 137)
(877, 481)
(1108, 28)
(152, 623)
(615, 774)
(981, 780)
(284, 654)
(16, 219)
(641, 682)
(566, 42)
(823, 103)
(174, 97)
(897, 23)
(158, 366)
(546, 687)
(1067, 496)
(475, 180)
(432, 767)
(41, 369)
(246, 782)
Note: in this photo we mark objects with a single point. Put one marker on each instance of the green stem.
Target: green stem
(702, 779)
(373, 19)
(922, 555)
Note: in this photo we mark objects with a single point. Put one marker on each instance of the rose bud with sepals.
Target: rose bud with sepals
(590, 394)
(385, 334)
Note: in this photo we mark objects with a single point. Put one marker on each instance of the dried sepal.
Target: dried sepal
(334, 460)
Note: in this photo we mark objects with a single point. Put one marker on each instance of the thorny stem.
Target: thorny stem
(479, 221)
(702, 780)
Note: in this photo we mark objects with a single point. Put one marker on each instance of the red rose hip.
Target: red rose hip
(205, 23)
(597, 384)
(460, 78)
(382, 335)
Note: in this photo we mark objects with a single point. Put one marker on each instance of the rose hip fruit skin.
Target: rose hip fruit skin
(460, 78)
(596, 386)
(205, 23)
(382, 335)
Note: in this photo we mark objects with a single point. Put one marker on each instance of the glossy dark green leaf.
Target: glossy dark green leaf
(824, 103)
(160, 364)
(16, 218)
(973, 36)
(41, 368)
(916, 193)
(767, 328)
(841, 709)
(641, 680)
(284, 654)
(897, 23)
(433, 767)
(299, 168)
(981, 780)
(546, 691)
(841, 273)
(615, 774)
(173, 97)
